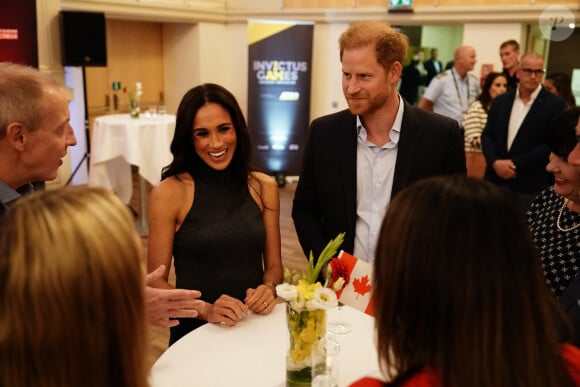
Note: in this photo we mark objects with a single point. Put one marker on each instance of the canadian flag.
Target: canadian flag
(358, 292)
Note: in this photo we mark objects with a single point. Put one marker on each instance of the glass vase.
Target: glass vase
(306, 328)
(134, 109)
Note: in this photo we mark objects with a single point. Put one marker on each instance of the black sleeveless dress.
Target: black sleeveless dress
(218, 248)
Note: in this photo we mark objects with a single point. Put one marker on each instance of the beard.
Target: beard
(365, 102)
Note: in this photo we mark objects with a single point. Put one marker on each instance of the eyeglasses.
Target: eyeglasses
(537, 72)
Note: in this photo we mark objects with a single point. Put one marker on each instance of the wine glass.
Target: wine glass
(339, 326)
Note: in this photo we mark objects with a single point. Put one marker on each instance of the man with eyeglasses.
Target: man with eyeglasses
(513, 140)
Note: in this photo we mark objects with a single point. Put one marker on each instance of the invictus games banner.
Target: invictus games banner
(280, 57)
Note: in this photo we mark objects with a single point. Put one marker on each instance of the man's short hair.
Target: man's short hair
(515, 45)
(390, 44)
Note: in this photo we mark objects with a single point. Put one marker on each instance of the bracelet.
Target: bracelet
(270, 284)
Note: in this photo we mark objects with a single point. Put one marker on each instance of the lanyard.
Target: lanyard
(457, 90)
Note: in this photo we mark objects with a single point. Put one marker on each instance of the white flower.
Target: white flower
(324, 298)
(287, 292)
(299, 302)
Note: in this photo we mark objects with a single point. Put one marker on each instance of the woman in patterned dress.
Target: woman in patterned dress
(554, 216)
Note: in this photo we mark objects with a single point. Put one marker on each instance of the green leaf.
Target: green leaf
(326, 255)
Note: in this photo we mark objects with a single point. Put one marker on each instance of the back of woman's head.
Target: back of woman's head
(459, 288)
(71, 292)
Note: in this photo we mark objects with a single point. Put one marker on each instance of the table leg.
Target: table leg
(143, 225)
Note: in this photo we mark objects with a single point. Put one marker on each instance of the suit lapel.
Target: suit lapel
(407, 149)
(530, 117)
(347, 144)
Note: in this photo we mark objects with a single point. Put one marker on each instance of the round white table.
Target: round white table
(253, 353)
(119, 141)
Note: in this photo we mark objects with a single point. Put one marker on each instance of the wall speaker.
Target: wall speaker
(84, 38)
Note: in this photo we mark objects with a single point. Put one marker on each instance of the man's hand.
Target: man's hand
(506, 169)
(163, 305)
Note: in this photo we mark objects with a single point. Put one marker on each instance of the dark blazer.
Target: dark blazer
(431, 71)
(325, 199)
(529, 150)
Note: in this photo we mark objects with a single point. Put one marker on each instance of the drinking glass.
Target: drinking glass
(325, 363)
(339, 327)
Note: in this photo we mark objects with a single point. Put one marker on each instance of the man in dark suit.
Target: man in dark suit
(357, 159)
(513, 140)
(433, 66)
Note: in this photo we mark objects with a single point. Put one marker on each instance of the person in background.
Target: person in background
(217, 218)
(476, 116)
(411, 79)
(475, 119)
(509, 53)
(71, 292)
(554, 216)
(464, 305)
(453, 91)
(356, 160)
(514, 137)
(433, 66)
(560, 84)
(35, 133)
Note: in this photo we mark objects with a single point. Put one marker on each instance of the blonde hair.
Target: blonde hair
(390, 45)
(72, 311)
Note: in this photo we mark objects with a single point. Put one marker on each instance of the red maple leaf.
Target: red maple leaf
(361, 285)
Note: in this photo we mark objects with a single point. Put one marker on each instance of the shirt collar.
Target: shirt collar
(395, 130)
(7, 193)
(533, 95)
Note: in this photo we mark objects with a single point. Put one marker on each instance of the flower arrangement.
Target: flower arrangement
(306, 304)
(134, 99)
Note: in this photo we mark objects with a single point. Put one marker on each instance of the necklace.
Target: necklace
(575, 226)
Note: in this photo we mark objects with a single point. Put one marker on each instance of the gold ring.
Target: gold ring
(265, 304)
(222, 322)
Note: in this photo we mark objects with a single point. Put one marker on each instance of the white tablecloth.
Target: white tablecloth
(119, 141)
(253, 353)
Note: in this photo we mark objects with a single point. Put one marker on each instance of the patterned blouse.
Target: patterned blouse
(473, 122)
(559, 250)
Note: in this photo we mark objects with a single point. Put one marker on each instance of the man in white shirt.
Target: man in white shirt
(513, 140)
(453, 91)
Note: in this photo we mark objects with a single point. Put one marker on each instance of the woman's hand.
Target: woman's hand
(261, 300)
(225, 310)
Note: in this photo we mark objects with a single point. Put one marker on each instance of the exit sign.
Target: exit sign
(400, 3)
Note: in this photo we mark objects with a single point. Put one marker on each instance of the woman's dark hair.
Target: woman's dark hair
(561, 137)
(185, 158)
(485, 97)
(562, 83)
(460, 291)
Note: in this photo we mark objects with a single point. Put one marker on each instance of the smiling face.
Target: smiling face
(366, 85)
(566, 178)
(214, 136)
(46, 146)
(498, 86)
